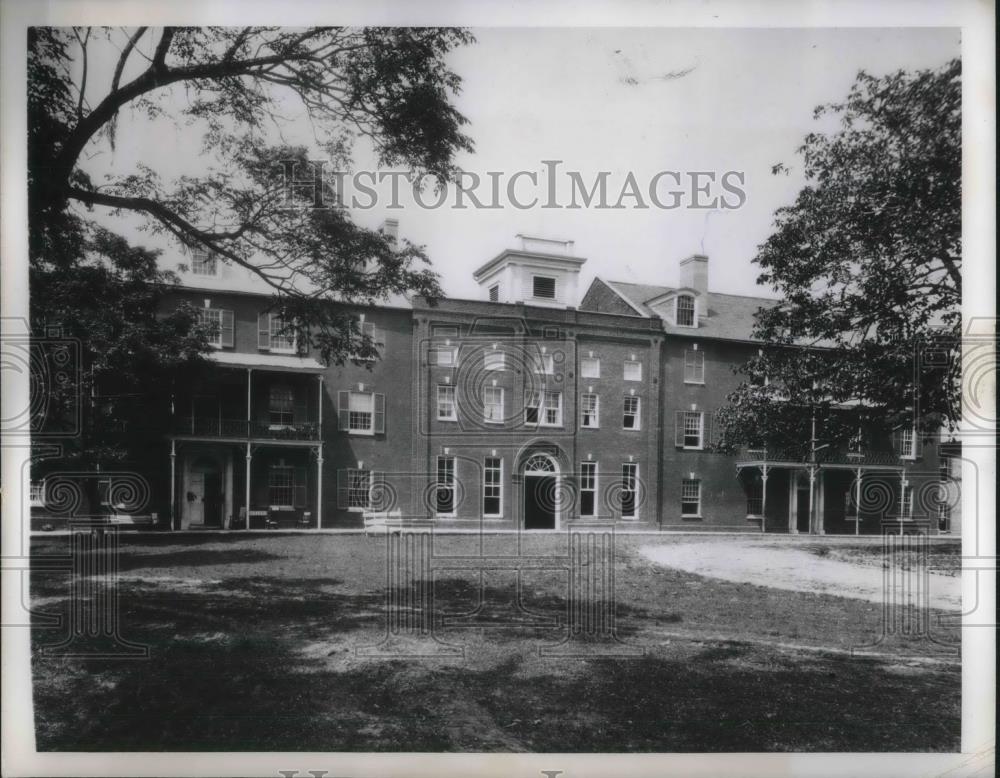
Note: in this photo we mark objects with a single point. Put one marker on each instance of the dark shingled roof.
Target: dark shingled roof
(730, 316)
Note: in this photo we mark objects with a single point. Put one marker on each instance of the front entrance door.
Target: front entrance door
(196, 498)
(213, 499)
(204, 494)
(539, 502)
(802, 506)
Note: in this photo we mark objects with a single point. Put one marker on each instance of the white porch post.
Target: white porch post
(173, 484)
(763, 498)
(249, 383)
(247, 490)
(857, 503)
(902, 499)
(812, 493)
(319, 458)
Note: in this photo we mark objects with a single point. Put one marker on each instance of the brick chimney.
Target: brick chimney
(694, 273)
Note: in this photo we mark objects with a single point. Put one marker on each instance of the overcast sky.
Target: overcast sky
(640, 101)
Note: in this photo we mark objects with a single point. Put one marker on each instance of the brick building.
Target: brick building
(522, 409)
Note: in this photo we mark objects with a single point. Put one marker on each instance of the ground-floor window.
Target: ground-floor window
(691, 497)
(630, 477)
(588, 488)
(359, 483)
(444, 492)
(493, 486)
(280, 485)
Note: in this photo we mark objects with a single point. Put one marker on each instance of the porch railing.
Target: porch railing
(205, 426)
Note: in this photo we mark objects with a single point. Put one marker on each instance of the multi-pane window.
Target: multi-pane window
(906, 503)
(691, 497)
(446, 403)
(492, 486)
(493, 404)
(374, 336)
(552, 411)
(361, 412)
(907, 442)
(36, 493)
(444, 356)
(630, 477)
(444, 492)
(633, 370)
(543, 364)
(532, 400)
(694, 425)
(281, 406)
(588, 488)
(204, 262)
(359, 489)
(694, 367)
(282, 339)
(685, 310)
(854, 445)
(544, 287)
(280, 485)
(219, 324)
(630, 417)
(589, 410)
(493, 360)
(590, 367)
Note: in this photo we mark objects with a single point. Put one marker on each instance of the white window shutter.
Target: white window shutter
(264, 331)
(227, 329)
(379, 414)
(679, 429)
(343, 410)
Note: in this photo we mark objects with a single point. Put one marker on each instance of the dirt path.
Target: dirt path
(795, 569)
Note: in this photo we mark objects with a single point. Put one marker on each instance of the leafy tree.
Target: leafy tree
(237, 90)
(867, 262)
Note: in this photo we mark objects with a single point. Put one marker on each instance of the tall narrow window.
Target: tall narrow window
(280, 483)
(281, 402)
(588, 488)
(685, 310)
(908, 441)
(630, 477)
(906, 503)
(359, 484)
(691, 498)
(444, 493)
(493, 404)
(589, 415)
(446, 403)
(854, 445)
(531, 404)
(633, 370)
(552, 413)
(543, 287)
(694, 367)
(693, 427)
(630, 417)
(493, 486)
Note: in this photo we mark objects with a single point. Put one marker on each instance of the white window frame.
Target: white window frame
(593, 477)
(638, 368)
(446, 398)
(855, 445)
(906, 502)
(289, 411)
(634, 478)
(204, 314)
(534, 296)
(908, 442)
(694, 310)
(701, 430)
(687, 483)
(533, 400)
(543, 364)
(275, 325)
(354, 478)
(436, 352)
(626, 400)
(494, 360)
(450, 484)
(351, 428)
(694, 366)
(595, 412)
(202, 257)
(546, 406)
(36, 494)
(592, 362)
(497, 485)
(491, 406)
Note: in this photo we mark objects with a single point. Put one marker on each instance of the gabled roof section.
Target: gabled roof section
(729, 316)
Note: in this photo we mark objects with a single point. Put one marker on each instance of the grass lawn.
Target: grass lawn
(253, 647)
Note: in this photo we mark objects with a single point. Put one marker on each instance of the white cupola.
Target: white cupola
(540, 272)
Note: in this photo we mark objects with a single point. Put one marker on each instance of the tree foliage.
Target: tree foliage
(867, 262)
(237, 90)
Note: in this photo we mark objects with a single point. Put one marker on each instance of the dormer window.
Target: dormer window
(543, 287)
(684, 315)
(204, 262)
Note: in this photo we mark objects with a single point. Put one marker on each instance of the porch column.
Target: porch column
(249, 409)
(857, 503)
(763, 498)
(820, 503)
(319, 457)
(902, 497)
(246, 504)
(793, 501)
(812, 494)
(173, 484)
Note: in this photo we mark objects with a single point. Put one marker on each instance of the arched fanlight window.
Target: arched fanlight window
(539, 464)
